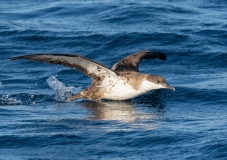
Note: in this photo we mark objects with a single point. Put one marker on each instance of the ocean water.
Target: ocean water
(190, 123)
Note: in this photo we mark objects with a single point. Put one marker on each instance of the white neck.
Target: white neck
(148, 85)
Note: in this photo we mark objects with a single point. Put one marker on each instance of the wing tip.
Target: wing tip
(29, 56)
(18, 57)
(159, 55)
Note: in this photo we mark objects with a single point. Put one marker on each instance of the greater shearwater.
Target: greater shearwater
(123, 81)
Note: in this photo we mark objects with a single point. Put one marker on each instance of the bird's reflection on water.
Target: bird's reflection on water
(146, 111)
(111, 110)
(146, 107)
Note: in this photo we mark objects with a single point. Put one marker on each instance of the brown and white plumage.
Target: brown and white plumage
(122, 82)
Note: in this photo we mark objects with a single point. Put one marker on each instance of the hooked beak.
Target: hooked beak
(170, 87)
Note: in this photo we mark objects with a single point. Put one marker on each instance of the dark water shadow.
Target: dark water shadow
(154, 101)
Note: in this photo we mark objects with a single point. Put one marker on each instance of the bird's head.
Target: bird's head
(158, 82)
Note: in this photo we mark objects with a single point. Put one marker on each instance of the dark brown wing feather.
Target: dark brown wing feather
(131, 62)
(85, 65)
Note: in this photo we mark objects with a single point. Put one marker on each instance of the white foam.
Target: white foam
(9, 100)
(62, 93)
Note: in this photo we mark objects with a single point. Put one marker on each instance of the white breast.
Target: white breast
(122, 91)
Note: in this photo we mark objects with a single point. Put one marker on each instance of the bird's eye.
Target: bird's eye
(158, 81)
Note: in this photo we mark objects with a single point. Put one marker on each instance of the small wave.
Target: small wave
(23, 99)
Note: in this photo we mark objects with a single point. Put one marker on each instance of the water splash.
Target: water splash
(24, 99)
(9, 99)
(62, 93)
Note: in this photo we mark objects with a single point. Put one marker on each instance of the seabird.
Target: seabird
(123, 81)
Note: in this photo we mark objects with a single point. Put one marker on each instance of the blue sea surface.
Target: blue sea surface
(190, 123)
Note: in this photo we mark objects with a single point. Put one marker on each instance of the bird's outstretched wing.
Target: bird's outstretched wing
(131, 62)
(88, 67)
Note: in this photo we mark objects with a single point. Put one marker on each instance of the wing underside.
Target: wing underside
(88, 67)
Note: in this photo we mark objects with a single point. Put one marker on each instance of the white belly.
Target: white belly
(118, 89)
(121, 92)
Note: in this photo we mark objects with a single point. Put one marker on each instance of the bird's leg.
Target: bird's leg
(75, 96)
